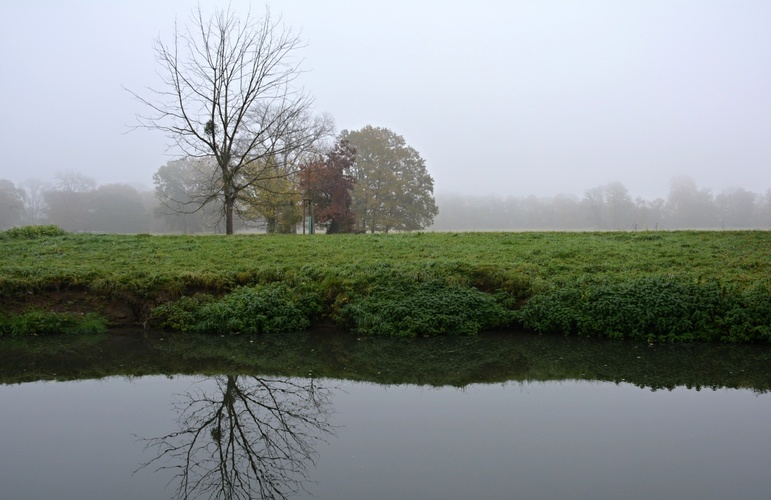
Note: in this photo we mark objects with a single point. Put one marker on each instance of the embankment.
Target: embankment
(657, 286)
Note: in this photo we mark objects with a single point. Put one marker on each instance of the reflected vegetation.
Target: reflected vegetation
(253, 420)
(244, 437)
(453, 361)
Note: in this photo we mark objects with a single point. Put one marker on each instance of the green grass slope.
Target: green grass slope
(659, 286)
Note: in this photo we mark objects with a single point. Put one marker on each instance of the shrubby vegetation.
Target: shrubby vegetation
(427, 308)
(272, 308)
(33, 231)
(51, 323)
(653, 308)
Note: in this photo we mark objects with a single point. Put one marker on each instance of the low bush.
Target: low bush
(271, 308)
(52, 323)
(748, 319)
(33, 232)
(653, 308)
(410, 309)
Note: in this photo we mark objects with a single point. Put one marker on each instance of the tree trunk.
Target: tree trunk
(228, 211)
(228, 194)
(229, 217)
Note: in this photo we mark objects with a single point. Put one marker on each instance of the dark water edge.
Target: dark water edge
(491, 357)
(328, 415)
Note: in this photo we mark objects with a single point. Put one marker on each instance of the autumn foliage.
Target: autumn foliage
(328, 183)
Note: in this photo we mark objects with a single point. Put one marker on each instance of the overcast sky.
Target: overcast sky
(499, 97)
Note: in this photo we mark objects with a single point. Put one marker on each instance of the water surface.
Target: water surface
(617, 432)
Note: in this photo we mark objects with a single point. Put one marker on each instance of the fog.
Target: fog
(76, 203)
(502, 99)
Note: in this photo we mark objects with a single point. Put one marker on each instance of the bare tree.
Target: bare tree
(250, 437)
(229, 94)
(69, 202)
(73, 181)
(34, 201)
(11, 204)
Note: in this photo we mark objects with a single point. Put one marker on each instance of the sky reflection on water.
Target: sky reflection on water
(568, 439)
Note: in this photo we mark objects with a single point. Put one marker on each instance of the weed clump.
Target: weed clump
(271, 308)
(653, 308)
(30, 232)
(428, 308)
(52, 323)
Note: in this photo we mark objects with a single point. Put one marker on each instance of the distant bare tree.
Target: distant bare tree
(690, 207)
(69, 201)
(228, 94)
(11, 204)
(739, 209)
(72, 181)
(34, 201)
(765, 210)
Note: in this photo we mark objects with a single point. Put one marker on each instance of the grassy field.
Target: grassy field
(654, 285)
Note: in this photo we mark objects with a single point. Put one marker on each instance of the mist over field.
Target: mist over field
(120, 208)
(608, 207)
(529, 115)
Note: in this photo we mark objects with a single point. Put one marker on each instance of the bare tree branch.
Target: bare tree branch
(228, 93)
(249, 438)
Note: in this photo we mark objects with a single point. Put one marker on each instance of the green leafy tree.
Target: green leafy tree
(275, 200)
(393, 190)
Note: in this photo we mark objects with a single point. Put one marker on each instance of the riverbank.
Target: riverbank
(656, 286)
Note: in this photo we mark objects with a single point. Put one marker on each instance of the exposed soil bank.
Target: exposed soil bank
(120, 313)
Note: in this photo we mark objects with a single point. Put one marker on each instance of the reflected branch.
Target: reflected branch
(250, 437)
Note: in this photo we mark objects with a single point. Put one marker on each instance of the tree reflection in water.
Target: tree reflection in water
(253, 437)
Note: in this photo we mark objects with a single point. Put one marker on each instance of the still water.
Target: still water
(252, 435)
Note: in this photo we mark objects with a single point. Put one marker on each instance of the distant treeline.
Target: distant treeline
(76, 203)
(608, 207)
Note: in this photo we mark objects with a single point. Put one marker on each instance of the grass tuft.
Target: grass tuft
(52, 323)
